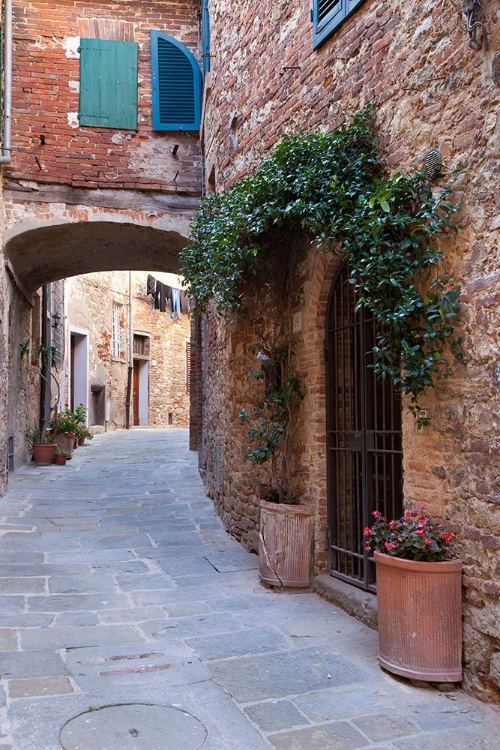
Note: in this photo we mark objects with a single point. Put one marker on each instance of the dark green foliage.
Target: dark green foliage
(332, 188)
(272, 420)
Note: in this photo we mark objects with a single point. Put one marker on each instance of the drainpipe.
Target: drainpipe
(130, 353)
(45, 396)
(5, 157)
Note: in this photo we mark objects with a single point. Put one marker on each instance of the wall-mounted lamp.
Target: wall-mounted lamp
(55, 320)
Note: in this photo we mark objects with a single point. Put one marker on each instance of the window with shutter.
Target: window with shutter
(327, 15)
(108, 84)
(176, 85)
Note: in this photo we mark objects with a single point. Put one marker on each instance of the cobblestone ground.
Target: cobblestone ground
(119, 588)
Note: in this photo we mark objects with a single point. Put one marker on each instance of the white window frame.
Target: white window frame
(117, 333)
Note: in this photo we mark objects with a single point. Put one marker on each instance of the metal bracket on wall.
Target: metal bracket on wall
(473, 12)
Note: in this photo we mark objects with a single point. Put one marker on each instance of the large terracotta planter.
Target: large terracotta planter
(43, 453)
(285, 544)
(420, 618)
(65, 442)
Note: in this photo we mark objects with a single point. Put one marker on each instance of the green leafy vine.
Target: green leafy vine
(333, 189)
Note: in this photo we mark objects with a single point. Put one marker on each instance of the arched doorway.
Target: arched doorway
(364, 436)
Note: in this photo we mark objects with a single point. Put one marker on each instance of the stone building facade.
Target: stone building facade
(97, 360)
(431, 89)
(90, 183)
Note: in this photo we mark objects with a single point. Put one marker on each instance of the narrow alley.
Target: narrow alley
(130, 619)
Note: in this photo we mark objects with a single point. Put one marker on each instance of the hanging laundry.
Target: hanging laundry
(151, 285)
(161, 297)
(176, 303)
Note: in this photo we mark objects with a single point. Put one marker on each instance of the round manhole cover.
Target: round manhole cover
(133, 726)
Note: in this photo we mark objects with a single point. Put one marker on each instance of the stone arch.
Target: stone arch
(322, 268)
(54, 251)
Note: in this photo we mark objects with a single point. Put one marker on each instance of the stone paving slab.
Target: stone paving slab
(273, 675)
(120, 586)
(243, 642)
(78, 637)
(42, 686)
(25, 664)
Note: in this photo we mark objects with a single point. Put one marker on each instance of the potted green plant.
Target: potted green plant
(42, 448)
(40, 438)
(419, 597)
(81, 431)
(61, 456)
(84, 434)
(286, 526)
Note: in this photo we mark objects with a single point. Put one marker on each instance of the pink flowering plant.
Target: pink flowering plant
(415, 536)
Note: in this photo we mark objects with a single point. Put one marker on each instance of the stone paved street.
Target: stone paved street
(119, 588)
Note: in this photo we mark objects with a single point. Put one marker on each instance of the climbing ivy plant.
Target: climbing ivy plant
(332, 187)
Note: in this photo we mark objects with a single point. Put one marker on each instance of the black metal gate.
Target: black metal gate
(364, 437)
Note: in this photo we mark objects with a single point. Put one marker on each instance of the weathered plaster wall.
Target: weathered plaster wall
(89, 309)
(430, 90)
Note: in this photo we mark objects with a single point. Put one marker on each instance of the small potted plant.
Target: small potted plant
(61, 456)
(286, 526)
(419, 597)
(81, 431)
(42, 448)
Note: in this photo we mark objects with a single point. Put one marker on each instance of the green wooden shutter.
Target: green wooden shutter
(108, 84)
(176, 85)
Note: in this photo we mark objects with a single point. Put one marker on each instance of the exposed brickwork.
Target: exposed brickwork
(430, 90)
(48, 145)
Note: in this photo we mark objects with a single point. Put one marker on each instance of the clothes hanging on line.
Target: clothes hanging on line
(176, 303)
(164, 295)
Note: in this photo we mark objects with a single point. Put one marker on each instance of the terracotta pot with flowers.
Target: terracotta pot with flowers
(82, 433)
(61, 456)
(64, 426)
(419, 597)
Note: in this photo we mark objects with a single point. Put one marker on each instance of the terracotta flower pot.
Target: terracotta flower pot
(285, 544)
(420, 618)
(43, 453)
(60, 460)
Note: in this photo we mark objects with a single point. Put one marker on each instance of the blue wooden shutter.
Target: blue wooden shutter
(176, 85)
(205, 36)
(108, 84)
(327, 15)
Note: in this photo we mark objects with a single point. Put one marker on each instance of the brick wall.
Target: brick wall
(48, 144)
(430, 90)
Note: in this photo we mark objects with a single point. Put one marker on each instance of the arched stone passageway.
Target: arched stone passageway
(39, 256)
(41, 247)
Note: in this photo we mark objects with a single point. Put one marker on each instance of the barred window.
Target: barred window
(117, 338)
